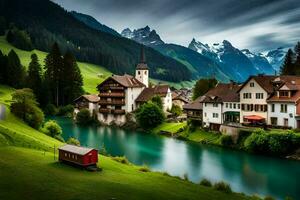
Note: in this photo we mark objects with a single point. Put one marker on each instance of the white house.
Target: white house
(253, 98)
(220, 105)
(89, 102)
(283, 105)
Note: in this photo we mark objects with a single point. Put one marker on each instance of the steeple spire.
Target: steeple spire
(142, 56)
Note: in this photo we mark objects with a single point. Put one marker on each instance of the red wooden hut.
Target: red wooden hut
(80, 156)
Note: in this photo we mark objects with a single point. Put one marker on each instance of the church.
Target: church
(119, 94)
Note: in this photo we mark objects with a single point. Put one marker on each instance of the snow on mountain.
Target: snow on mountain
(276, 57)
(144, 36)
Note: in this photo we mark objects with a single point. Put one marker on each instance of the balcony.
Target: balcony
(111, 102)
(112, 94)
(111, 87)
(104, 110)
(118, 112)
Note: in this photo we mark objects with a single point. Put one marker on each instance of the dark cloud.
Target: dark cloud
(241, 21)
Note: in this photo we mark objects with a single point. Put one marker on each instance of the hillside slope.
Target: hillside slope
(92, 74)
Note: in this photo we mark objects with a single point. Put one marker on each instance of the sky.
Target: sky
(258, 25)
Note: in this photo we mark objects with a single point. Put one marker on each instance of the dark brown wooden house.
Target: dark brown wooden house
(80, 156)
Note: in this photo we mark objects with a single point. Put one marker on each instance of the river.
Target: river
(247, 173)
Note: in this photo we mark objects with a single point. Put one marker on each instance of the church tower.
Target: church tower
(142, 71)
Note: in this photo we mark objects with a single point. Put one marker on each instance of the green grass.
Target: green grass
(89, 72)
(203, 136)
(169, 127)
(28, 170)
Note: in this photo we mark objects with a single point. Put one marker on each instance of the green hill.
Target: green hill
(29, 171)
(92, 74)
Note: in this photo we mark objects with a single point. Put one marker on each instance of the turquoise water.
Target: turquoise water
(245, 172)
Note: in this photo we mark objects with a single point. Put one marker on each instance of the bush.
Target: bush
(121, 159)
(226, 140)
(51, 110)
(73, 141)
(66, 110)
(176, 110)
(157, 100)
(149, 115)
(52, 129)
(144, 168)
(84, 117)
(59, 138)
(222, 186)
(205, 182)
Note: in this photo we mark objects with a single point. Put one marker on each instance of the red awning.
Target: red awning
(254, 117)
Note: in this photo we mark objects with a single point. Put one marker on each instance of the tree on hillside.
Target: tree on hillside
(34, 77)
(287, 67)
(202, 86)
(71, 79)
(149, 115)
(3, 68)
(297, 60)
(15, 71)
(52, 76)
(19, 38)
(26, 107)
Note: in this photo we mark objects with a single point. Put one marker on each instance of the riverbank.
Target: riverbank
(273, 142)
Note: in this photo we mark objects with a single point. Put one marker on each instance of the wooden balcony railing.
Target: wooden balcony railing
(112, 94)
(111, 88)
(104, 110)
(111, 102)
(118, 111)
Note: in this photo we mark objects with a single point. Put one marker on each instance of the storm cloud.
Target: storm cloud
(254, 24)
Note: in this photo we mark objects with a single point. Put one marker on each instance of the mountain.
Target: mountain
(231, 60)
(46, 22)
(276, 57)
(144, 36)
(93, 23)
(259, 61)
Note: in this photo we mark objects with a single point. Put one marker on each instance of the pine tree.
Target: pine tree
(72, 84)
(297, 60)
(34, 79)
(288, 66)
(2, 25)
(3, 68)
(15, 71)
(53, 65)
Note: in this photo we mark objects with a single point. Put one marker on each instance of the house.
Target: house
(253, 98)
(194, 110)
(179, 99)
(117, 97)
(284, 103)
(80, 156)
(163, 91)
(89, 102)
(221, 105)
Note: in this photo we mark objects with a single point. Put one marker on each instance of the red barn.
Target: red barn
(80, 156)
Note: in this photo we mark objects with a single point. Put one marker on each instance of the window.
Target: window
(272, 107)
(226, 105)
(215, 115)
(139, 72)
(259, 95)
(283, 93)
(239, 106)
(215, 105)
(204, 114)
(230, 105)
(283, 108)
(145, 72)
(65, 154)
(274, 121)
(247, 95)
(251, 84)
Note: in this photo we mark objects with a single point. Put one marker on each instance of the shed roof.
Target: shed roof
(93, 98)
(223, 93)
(148, 93)
(76, 149)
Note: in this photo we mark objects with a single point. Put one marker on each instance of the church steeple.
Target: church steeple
(141, 72)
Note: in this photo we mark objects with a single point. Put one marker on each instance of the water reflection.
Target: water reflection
(245, 173)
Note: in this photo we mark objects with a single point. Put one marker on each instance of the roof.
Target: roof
(93, 98)
(76, 149)
(223, 93)
(195, 105)
(181, 97)
(126, 80)
(265, 81)
(148, 93)
(290, 83)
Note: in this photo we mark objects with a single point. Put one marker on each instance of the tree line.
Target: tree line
(291, 63)
(59, 82)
